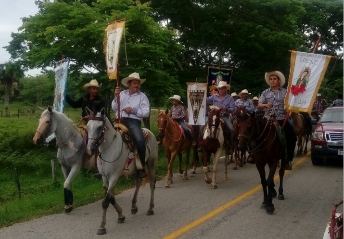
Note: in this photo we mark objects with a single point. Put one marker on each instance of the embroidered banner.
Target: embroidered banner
(196, 95)
(61, 75)
(307, 71)
(112, 42)
(216, 74)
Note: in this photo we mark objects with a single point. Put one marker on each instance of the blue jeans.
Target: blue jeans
(134, 126)
(181, 122)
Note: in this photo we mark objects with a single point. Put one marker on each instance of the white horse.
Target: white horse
(116, 159)
(213, 143)
(71, 151)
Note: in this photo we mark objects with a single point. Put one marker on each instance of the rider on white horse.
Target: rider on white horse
(134, 106)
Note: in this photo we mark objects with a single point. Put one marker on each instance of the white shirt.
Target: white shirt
(137, 101)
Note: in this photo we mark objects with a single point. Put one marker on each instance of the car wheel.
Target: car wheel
(316, 161)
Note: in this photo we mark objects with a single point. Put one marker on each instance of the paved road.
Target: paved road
(190, 209)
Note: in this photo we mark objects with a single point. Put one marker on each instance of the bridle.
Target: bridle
(99, 140)
(163, 130)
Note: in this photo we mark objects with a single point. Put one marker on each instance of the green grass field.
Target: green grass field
(27, 188)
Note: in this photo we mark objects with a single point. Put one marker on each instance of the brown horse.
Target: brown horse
(213, 142)
(174, 143)
(267, 150)
(301, 131)
(239, 153)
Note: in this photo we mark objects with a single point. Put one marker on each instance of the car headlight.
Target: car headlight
(318, 135)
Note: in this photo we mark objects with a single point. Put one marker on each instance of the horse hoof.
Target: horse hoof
(167, 186)
(274, 194)
(134, 210)
(280, 197)
(68, 209)
(208, 182)
(213, 186)
(120, 219)
(235, 168)
(150, 213)
(101, 231)
(193, 172)
(241, 165)
(181, 172)
(270, 210)
(263, 206)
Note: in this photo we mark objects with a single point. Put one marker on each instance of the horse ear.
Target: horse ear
(42, 109)
(102, 111)
(88, 111)
(166, 111)
(50, 109)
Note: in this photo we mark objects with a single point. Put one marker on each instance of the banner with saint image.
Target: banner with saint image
(61, 75)
(112, 42)
(196, 95)
(307, 71)
(217, 74)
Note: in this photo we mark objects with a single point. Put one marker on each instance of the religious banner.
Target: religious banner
(112, 42)
(307, 71)
(196, 95)
(61, 75)
(217, 74)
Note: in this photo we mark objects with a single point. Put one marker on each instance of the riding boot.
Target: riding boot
(142, 172)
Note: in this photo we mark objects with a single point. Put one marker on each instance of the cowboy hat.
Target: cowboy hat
(223, 84)
(176, 97)
(244, 91)
(234, 94)
(255, 98)
(92, 83)
(132, 76)
(276, 73)
(318, 94)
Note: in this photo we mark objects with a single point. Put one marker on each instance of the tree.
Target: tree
(76, 29)
(10, 73)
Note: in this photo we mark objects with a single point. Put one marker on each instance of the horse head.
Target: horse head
(162, 121)
(214, 121)
(46, 126)
(245, 123)
(95, 131)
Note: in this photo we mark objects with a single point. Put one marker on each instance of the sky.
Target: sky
(11, 12)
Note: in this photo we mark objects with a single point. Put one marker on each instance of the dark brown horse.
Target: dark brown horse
(302, 132)
(267, 150)
(174, 143)
(213, 142)
(239, 153)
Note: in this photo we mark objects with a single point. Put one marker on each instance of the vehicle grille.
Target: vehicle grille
(334, 136)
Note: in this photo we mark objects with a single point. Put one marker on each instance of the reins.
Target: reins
(168, 123)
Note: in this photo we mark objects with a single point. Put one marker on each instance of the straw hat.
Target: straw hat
(255, 98)
(277, 73)
(176, 97)
(234, 94)
(244, 91)
(132, 76)
(318, 94)
(223, 84)
(92, 83)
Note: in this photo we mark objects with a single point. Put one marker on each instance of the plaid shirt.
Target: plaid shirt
(227, 102)
(277, 99)
(247, 103)
(177, 112)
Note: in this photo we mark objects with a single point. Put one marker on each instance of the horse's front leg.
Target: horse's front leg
(261, 170)
(236, 155)
(180, 157)
(306, 137)
(68, 194)
(216, 160)
(226, 159)
(206, 157)
(280, 189)
(270, 208)
(187, 155)
(169, 170)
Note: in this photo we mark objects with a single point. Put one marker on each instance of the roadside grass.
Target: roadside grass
(27, 189)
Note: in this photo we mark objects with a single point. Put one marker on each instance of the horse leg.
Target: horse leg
(225, 177)
(152, 181)
(180, 157)
(169, 170)
(216, 159)
(236, 155)
(299, 145)
(306, 137)
(270, 208)
(280, 189)
(134, 208)
(187, 155)
(242, 155)
(195, 159)
(205, 168)
(68, 194)
(263, 181)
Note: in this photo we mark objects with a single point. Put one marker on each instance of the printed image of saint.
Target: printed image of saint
(301, 82)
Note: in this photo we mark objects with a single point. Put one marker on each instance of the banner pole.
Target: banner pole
(117, 96)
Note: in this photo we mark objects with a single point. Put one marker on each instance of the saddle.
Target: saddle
(130, 142)
(280, 133)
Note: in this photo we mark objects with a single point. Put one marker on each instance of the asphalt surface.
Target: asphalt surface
(310, 193)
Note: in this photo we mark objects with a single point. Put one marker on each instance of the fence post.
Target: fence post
(17, 182)
(53, 169)
(18, 113)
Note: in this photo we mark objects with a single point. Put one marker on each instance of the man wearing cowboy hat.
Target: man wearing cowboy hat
(244, 101)
(319, 106)
(177, 113)
(226, 103)
(91, 100)
(255, 103)
(134, 106)
(272, 100)
(235, 96)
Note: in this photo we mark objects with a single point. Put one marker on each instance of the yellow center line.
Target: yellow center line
(229, 204)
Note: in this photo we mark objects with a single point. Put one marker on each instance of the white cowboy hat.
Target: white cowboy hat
(223, 84)
(92, 83)
(176, 97)
(234, 94)
(276, 73)
(318, 94)
(244, 91)
(132, 76)
(255, 98)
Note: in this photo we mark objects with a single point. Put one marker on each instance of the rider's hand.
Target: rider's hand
(270, 105)
(117, 91)
(128, 110)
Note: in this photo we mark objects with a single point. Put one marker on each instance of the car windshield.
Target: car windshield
(332, 115)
